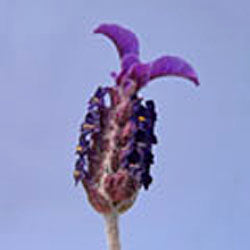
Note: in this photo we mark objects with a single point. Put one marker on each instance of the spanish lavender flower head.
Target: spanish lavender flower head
(117, 135)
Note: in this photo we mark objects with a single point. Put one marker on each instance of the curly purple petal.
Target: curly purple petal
(173, 66)
(125, 40)
(128, 48)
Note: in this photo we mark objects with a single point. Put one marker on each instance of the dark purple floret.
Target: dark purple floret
(79, 169)
(146, 179)
(140, 157)
(88, 130)
(97, 101)
(134, 157)
(141, 136)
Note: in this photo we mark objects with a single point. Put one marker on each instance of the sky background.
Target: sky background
(50, 64)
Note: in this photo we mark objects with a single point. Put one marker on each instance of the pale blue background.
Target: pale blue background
(50, 63)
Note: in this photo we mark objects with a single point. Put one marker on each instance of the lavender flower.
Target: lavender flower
(117, 136)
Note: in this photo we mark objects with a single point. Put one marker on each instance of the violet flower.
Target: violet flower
(117, 136)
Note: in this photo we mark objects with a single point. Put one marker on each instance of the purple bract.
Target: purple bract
(115, 144)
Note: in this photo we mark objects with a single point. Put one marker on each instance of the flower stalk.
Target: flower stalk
(112, 231)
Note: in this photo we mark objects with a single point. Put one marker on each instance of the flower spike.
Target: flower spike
(115, 147)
